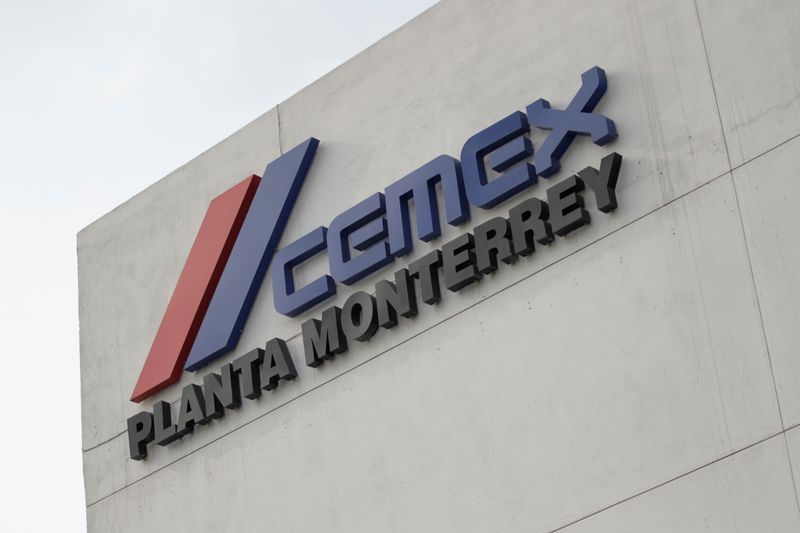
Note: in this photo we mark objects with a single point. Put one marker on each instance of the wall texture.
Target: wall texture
(639, 375)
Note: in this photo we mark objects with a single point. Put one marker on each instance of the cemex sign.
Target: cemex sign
(238, 238)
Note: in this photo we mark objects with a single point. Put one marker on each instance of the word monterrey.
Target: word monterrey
(379, 229)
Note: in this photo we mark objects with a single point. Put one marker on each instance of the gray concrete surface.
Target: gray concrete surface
(768, 194)
(749, 491)
(637, 375)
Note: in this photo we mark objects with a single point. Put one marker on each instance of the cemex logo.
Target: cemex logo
(238, 237)
(224, 270)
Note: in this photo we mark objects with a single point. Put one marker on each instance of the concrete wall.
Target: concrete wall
(639, 375)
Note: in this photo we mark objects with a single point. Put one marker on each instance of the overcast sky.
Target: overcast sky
(97, 101)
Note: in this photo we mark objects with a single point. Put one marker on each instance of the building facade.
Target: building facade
(636, 369)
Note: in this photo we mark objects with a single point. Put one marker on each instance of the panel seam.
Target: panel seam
(671, 480)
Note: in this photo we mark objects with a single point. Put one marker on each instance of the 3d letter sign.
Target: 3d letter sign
(238, 239)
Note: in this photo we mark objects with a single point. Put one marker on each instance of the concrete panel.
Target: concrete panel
(768, 191)
(659, 96)
(750, 491)
(752, 50)
(376, 125)
(129, 261)
(461, 66)
(621, 366)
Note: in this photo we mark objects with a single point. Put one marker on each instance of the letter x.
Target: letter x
(576, 118)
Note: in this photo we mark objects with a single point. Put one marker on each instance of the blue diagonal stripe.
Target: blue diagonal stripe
(251, 255)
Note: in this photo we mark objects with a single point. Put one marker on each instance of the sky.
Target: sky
(98, 100)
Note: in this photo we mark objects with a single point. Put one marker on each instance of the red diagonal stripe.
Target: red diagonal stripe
(194, 289)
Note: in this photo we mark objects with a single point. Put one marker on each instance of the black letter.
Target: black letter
(165, 431)
(566, 206)
(192, 410)
(458, 263)
(359, 319)
(529, 223)
(392, 298)
(492, 242)
(424, 269)
(220, 392)
(277, 365)
(323, 340)
(604, 183)
(140, 432)
(246, 364)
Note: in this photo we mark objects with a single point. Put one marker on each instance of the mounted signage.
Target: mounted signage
(239, 235)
